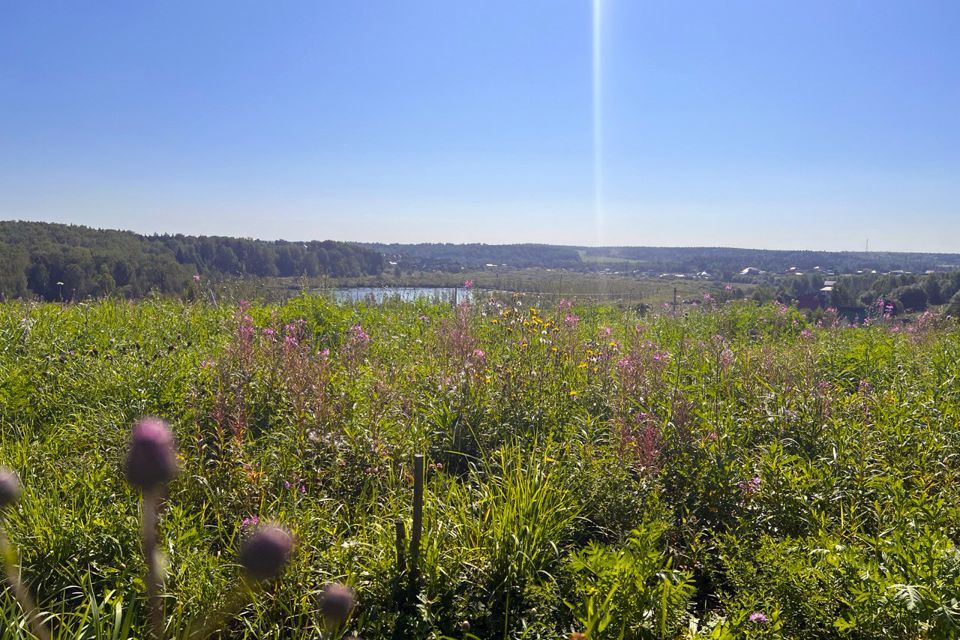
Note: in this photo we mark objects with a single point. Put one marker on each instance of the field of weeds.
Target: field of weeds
(737, 472)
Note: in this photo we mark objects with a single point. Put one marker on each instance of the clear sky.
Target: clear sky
(813, 124)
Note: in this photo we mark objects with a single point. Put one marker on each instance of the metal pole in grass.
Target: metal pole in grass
(417, 528)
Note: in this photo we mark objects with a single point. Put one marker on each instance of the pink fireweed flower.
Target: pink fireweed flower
(358, 337)
(750, 486)
(606, 332)
(468, 284)
(324, 353)
(571, 320)
(806, 334)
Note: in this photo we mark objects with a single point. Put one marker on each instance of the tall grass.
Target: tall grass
(800, 477)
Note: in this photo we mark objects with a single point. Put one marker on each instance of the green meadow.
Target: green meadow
(734, 471)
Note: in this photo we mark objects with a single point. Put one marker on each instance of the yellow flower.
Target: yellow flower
(573, 394)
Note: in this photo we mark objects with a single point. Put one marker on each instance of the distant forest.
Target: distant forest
(56, 261)
(721, 262)
(457, 257)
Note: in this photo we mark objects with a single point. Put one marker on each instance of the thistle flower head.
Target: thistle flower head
(264, 554)
(9, 487)
(151, 458)
(336, 602)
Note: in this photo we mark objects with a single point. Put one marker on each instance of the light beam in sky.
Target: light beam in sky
(598, 213)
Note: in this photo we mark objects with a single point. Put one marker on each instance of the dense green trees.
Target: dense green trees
(57, 261)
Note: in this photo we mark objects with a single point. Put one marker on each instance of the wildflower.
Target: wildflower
(9, 487)
(712, 436)
(250, 521)
(196, 277)
(468, 284)
(151, 458)
(750, 486)
(478, 357)
(264, 554)
(336, 603)
(358, 337)
(571, 320)
(726, 358)
(758, 617)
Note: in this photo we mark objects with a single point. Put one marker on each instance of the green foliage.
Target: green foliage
(735, 471)
(631, 591)
(66, 262)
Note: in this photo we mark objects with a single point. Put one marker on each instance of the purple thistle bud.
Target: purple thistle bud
(9, 487)
(152, 458)
(336, 602)
(264, 554)
(758, 617)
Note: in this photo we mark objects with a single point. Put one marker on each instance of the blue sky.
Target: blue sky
(754, 124)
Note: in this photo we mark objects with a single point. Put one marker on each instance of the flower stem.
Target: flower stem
(20, 591)
(151, 505)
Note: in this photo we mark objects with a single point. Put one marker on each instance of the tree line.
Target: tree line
(57, 261)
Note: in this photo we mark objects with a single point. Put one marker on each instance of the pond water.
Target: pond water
(377, 295)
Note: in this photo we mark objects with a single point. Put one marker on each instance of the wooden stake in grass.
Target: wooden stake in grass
(401, 534)
(151, 463)
(9, 493)
(417, 529)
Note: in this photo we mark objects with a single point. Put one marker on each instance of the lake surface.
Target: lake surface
(378, 295)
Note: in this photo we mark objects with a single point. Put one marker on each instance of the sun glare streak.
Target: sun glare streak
(598, 212)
